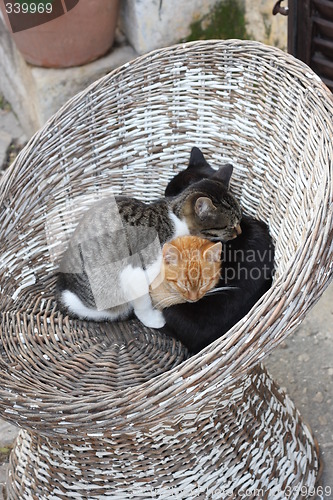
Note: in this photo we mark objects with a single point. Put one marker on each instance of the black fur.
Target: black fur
(247, 266)
(198, 169)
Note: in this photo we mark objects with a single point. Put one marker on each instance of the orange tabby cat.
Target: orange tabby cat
(190, 268)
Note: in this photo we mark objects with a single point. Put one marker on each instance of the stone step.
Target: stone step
(8, 435)
(36, 93)
(10, 133)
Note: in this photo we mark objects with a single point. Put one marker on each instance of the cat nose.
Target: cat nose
(238, 229)
(193, 296)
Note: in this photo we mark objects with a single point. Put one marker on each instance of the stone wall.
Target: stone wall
(261, 25)
(151, 24)
(37, 93)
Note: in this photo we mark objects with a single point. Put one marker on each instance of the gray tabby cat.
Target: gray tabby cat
(115, 252)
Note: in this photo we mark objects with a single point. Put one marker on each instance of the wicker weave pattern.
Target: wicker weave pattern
(129, 133)
(182, 459)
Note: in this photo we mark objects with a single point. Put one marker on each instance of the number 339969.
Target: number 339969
(28, 8)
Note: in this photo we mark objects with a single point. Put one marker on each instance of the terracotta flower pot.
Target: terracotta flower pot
(62, 33)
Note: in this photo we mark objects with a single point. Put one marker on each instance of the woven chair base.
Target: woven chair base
(251, 443)
(146, 421)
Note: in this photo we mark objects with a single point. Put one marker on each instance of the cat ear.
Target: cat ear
(223, 174)
(170, 254)
(213, 252)
(197, 158)
(204, 207)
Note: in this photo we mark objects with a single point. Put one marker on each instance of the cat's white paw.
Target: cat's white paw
(152, 319)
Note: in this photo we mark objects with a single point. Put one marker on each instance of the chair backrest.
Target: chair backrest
(131, 131)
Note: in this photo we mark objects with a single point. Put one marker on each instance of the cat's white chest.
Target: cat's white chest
(181, 228)
(135, 281)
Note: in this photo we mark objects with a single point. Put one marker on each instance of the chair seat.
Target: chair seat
(64, 381)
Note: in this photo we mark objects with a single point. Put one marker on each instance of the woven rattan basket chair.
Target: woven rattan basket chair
(120, 411)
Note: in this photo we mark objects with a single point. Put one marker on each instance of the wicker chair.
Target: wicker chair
(120, 411)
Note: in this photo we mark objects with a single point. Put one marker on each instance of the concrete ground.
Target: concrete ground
(303, 365)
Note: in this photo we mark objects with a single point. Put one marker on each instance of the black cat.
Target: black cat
(247, 270)
(198, 169)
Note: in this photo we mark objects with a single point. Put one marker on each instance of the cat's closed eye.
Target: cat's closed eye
(191, 267)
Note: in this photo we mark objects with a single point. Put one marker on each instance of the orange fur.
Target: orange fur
(190, 268)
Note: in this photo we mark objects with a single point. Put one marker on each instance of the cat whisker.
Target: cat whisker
(159, 304)
(221, 289)
(167, 301)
